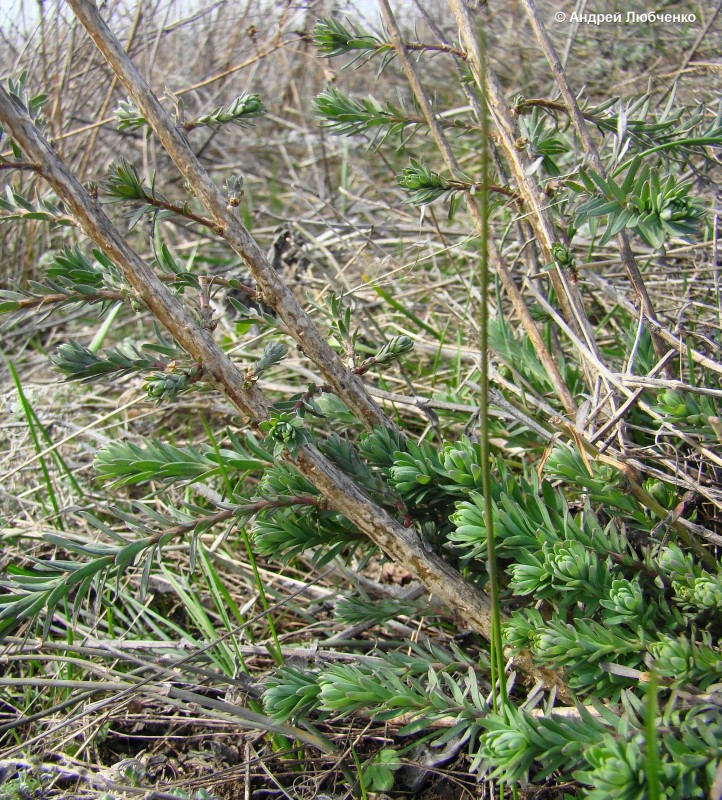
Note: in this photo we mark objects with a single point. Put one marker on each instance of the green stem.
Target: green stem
(275, 652)
(99, 337)
(497, 651)
(701, 140)
(651, 740)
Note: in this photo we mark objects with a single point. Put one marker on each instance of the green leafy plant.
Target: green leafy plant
(655, 210)
(379, 773)
(240, 111)
(479, 400)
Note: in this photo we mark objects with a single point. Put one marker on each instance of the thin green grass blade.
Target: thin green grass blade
(401, 308)
(34, 427)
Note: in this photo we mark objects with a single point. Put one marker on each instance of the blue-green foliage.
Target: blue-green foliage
(587, 601)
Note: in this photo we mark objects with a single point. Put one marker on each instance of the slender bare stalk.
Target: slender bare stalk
(496, 259)
(625, 249)
(401, 544)
(693, 50)
(540, 219)
(274, 292)
(89, 147)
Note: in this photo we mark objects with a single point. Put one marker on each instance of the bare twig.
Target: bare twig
(540, 217)
(625, 249)
(496, 259)
(693, 50)
(274, 292)
(654, 324)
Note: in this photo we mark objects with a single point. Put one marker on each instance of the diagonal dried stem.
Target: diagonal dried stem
(274, 292)
(496, 259)
(540, 219)
(625, 249)
(654, 325)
